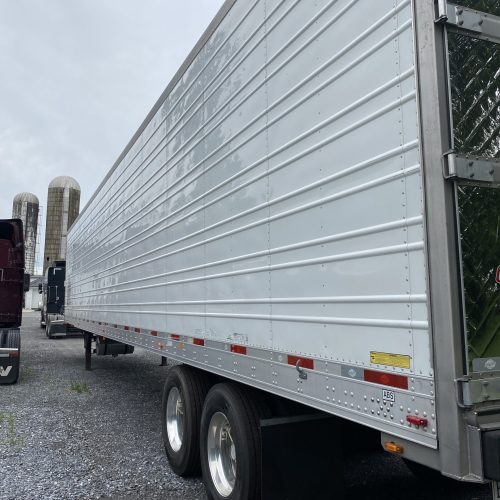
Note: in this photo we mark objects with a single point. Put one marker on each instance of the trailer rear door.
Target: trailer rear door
(474, 69)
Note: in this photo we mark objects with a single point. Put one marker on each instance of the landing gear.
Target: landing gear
(87, 343)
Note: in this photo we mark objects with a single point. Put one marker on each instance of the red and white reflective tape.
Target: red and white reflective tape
(399, 381)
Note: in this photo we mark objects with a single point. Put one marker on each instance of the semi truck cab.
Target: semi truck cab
(12, 285)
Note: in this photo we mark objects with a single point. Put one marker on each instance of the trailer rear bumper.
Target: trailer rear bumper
(491, 454)
(58, 327)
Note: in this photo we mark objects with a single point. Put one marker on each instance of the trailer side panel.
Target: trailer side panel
(268, 219)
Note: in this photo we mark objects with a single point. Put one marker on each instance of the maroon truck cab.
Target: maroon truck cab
(11, 272)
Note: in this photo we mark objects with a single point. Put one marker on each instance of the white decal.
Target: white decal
(5, 371)
(490, 364)
(388, 396)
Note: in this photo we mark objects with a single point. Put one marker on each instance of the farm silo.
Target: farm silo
(25, 207)
(63, 206)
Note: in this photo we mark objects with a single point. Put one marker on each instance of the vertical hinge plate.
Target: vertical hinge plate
(471, 169)
(469, 21)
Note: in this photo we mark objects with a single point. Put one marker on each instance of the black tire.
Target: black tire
(193, 386)
(47, 330)
(243, 409)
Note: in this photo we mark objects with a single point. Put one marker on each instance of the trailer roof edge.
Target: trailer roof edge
(221, 14)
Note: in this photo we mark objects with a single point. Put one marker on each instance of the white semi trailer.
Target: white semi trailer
(310, 213)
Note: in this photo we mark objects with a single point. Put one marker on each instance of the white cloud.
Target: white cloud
(77, 79)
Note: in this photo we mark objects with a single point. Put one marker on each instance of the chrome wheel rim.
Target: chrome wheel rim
(175, 419)
(221, 454)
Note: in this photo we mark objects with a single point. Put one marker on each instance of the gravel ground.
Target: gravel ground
(70, 434)
(102, 442)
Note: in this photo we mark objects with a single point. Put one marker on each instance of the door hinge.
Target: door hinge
(471, 391)
(468, 21)
(471, 169)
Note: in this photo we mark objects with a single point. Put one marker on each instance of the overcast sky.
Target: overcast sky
(77, 77)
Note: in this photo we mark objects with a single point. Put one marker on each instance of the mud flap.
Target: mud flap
(10, 350)
(495, 490)
(56, 328)
(302, 458)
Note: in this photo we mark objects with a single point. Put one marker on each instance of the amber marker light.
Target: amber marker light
(393, 447)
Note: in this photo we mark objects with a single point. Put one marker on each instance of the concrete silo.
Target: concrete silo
(63, 207)
(26, 207)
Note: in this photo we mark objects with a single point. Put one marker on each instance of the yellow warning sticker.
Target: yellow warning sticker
(388, 359)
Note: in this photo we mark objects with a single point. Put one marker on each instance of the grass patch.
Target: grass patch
(26, 371)
(79, 387)
(8, 432)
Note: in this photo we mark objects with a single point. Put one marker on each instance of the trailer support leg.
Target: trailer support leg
(163, 361)
(296, 463)
(87, 342)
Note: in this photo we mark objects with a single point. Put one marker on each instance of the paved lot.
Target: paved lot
(70, 434)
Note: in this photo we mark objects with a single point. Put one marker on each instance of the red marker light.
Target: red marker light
(154, 333)
(238, 349)
(174, 336)
(198, 342)
(418, 421)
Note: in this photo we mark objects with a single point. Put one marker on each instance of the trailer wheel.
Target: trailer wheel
(230, 442)
(182, 403)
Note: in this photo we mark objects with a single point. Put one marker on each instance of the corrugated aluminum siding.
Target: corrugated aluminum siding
(275, 197)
